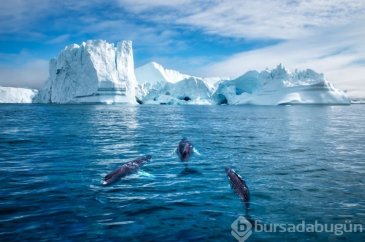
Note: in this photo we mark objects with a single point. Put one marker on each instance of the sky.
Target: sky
(202, 38)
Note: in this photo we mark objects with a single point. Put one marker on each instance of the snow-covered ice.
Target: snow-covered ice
(158, 85)
(93, 72)
(191, 90)
(16, 95)
(152, 77)
(154, 73)
(99, 72)
(279, 87)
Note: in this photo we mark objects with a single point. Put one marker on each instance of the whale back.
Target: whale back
(128, 168)
(239, 186)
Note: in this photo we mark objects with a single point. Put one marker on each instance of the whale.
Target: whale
(127, 169)
(185, 149)
(239, 186)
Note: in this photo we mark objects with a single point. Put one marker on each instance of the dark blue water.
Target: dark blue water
(300, 163)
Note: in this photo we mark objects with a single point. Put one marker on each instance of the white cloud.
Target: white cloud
(326, 36)
(152, 40)
(59, 39)
(31, 74)
(281, 19)
(337, 54)
(16, 15)
(145, 5)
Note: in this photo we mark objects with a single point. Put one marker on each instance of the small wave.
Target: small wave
(16, 142)
(112, 224)
(149, 210)
(142, 173)
(189, 171)
(298, 150)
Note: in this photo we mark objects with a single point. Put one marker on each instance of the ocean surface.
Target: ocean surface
(301, 163)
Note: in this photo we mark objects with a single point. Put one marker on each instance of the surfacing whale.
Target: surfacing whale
(239, 186)
(126, 169)
(185, 149)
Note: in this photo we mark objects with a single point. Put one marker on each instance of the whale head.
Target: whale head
(227, 169)
(185, 149)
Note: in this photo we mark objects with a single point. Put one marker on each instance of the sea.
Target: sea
(304, 167)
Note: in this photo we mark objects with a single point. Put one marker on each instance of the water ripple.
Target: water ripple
(299, 163)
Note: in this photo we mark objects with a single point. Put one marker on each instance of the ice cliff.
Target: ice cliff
(16, 95)
(93, 72)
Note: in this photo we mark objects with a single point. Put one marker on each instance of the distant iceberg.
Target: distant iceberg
(93, 72)
(158, 85)
(279, 87)
(17, 95)
(100, 72)
(191, 90)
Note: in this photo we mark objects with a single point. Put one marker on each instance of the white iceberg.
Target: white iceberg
(152, 78)
(187, 91)
(99, 72)
(279, 87)
(16, 95)
(93, 72)
(153, 74)
(158, 85)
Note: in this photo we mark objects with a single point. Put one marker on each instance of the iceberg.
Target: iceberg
(16, 95)
(187, 91)
(158, 85)
(154, 74)
(100, 72)
(279, 87)
(152, 78)
(93, 72)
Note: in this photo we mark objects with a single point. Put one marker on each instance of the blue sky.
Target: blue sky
(204, 38)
